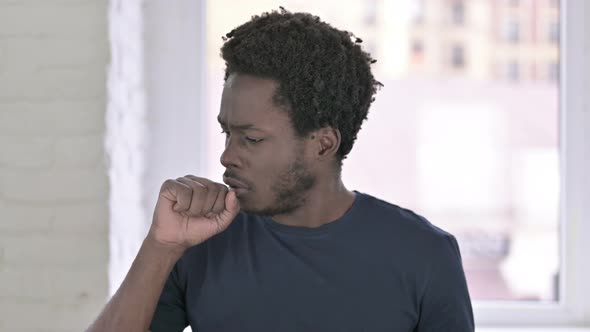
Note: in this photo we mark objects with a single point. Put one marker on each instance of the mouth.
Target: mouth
(239, 187)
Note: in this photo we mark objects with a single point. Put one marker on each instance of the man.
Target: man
(288, 247)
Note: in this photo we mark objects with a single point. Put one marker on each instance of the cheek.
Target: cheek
(267, 170)
(267, 176)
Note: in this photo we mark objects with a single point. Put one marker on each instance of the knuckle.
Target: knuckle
(199, 192)
(166, 184)
(184, 195)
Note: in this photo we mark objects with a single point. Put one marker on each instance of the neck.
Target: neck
(324, 203)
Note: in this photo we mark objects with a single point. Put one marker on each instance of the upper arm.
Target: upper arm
(170, 314)
(446, 304)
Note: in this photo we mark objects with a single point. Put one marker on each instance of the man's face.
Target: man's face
(266, 163)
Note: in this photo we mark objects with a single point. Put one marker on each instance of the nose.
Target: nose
(229, 158)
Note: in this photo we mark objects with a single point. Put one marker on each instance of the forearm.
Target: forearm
(133, 305)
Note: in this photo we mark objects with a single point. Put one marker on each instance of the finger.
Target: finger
(210, 199)
(220, 201)
(232, 208)
(177, 194)
(199, 192)
(212, 193)
(203, 181)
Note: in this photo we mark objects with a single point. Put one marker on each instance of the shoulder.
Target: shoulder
(407, 227)
(403, 218)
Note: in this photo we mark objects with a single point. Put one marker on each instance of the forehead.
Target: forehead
(249, 100)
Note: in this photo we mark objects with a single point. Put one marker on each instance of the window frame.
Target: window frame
(572, 309)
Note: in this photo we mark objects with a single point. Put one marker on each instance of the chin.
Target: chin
(250, 208)
(248, 203)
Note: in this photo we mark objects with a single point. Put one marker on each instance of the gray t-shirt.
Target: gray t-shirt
(378, 268)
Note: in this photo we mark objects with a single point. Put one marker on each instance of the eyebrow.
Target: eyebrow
(240, 126)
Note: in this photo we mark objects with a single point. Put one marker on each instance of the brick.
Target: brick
(49, 315)
(52, 118)
(54, 215)
(24, 219)
(3, 57)
(79, 152)
(35, 2)
(26, 152)
(54, 186)
(31, 54)
(82, 219)
(45, 329)
(75, 219)
(42, 251)
(59, 283)
(46, 19)
(50, 83)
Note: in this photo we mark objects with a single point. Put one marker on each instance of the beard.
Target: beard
(289, 191)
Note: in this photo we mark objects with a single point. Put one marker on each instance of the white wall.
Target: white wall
(126, 137)
(154, 127)
(53, 183)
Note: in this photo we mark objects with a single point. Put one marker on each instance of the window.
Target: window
(553, 70)
(370, 12)
(417, 51)
(417, 47)
(458, 12)
(512, 31)
(553, 32)
(417, 13)
(457, 57)
(512, 71)
(498, 165)
(477, 164)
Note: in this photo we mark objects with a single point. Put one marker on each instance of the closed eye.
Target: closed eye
(253, 140)
(249, 139)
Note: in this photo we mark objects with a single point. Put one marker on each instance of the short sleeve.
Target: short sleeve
(170, 314)
(446, 304)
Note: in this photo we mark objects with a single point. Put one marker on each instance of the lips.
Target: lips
(237, 186)
(234, 184)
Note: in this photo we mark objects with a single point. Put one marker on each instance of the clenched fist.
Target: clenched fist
(190, 210)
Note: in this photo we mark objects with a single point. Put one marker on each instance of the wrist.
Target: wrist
(168, 249)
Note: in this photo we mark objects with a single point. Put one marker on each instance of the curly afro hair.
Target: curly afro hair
(324, 77)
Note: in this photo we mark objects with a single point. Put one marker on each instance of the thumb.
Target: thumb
(232, 207)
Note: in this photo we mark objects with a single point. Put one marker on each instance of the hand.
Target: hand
(190, 210)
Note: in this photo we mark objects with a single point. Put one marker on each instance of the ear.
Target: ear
(327, 142)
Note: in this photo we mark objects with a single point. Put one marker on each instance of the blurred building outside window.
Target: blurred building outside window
(512, 31)
(475, 151)
(458, 12)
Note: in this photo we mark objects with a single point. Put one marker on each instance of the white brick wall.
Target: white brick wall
(53, 179)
